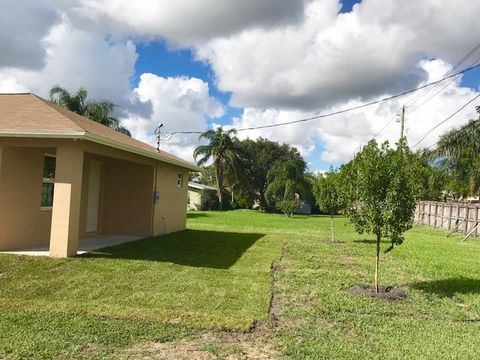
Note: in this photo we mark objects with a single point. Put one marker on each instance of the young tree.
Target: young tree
(385, 190)
(221, 149)
(327, 191)
(97, 110)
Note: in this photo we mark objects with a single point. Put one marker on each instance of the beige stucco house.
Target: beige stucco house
(64, 177)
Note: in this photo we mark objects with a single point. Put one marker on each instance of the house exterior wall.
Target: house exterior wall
(126, 205)
(170, 211)
(22, 222)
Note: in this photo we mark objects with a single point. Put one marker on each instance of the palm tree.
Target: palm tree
(99, 110)
(458, 151)
(222, 150)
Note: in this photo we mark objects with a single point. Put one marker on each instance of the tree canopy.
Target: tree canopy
(450, 171)
(384, 195)
(221, 150)
(286, 184)
(258, 158)
(328, 192)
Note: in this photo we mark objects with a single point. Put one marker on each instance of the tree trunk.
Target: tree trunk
(218, 178)
(332, 231)
(261, 200)
(377, 262)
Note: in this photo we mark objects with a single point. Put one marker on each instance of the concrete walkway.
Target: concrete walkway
(85, 245)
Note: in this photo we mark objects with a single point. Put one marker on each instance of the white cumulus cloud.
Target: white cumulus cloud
(179, 103)
(342, 135)
(186, 22)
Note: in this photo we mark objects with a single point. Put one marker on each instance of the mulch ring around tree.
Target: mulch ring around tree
(384, 292)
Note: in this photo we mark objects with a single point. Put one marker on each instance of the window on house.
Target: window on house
(180, 180)
(48, 182)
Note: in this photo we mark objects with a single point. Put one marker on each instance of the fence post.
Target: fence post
(435, 213)
(465, 226)
(450, 217)
(476, 220)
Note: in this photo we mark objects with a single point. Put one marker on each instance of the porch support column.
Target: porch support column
(66, 200)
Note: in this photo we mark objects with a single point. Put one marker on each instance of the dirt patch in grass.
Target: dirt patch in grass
(210, 346)
(385, 292)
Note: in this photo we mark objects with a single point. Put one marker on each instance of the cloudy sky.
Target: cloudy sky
(193, 65)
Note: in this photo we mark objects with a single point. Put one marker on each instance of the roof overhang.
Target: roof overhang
(99, 140)
(114, 144)
(43, 134)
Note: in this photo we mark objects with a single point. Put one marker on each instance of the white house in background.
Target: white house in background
(200, 195)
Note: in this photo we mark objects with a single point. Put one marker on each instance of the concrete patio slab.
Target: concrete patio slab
(86, 245)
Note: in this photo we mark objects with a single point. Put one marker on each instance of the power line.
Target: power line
(442, 88)
(383, 128)
(456, 66)
(444, 121)
(419, 96)
(343, 110)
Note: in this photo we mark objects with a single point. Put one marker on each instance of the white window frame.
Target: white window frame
(48, 181)
(180, 180)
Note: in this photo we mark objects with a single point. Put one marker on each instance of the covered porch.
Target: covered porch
(65, 197)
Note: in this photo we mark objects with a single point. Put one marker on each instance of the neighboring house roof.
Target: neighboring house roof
(27, 115)
(200, 186)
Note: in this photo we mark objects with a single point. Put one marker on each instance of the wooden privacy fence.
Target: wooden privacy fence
(453, 217)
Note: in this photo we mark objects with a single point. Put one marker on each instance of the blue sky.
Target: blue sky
(158, 58)
(261, 63)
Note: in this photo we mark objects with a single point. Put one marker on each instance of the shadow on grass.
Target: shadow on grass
(371, 241)
(449, 287)
(210, 249)
(194, 215)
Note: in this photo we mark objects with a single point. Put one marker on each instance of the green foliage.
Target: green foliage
(258, 158)
(290, 201)
(97, 110)
(246, 168)
(432, 178)
(221, 150)
(458, 156)
(328, 192)
(286, 183)
(384, 193)
(385, 190)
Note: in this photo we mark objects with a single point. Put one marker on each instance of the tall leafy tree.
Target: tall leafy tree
(257, 158)
(384, 194)
(100, 111)
(328, 193)
(286, 184)
(221, 150)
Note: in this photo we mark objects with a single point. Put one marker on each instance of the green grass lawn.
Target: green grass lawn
(217, 276)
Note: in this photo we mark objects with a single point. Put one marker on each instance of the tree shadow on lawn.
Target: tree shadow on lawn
(210, 249)
(371, 241)
(194, 215)
(449, 287)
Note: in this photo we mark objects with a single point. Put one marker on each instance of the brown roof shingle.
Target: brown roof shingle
(29, 115)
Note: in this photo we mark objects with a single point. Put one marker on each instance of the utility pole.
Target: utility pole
(402, 122)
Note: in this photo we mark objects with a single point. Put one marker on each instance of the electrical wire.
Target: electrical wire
(343, 110)
(441, 89)
(383, 128)
(445, 120)
(456, 66)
